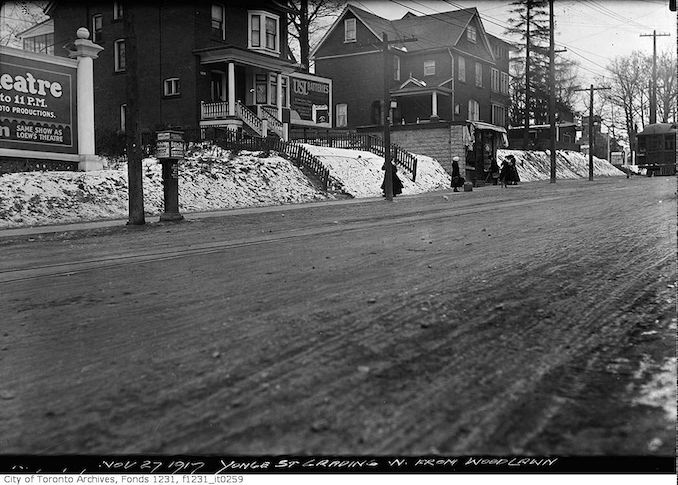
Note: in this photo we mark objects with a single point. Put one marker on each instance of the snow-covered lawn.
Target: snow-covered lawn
(208, 181)
(359, 173)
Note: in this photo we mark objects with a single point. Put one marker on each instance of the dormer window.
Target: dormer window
(264, 32)
(429, 68)
(349, 30)
(471, 34)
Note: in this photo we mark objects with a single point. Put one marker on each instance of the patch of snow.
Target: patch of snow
(661, 390)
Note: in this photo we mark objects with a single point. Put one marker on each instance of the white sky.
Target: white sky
(593, 31)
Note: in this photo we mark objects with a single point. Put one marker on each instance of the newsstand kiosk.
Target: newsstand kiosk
(169, 150)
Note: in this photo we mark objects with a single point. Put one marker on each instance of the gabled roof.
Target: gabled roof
(440, 30)
(47, 25)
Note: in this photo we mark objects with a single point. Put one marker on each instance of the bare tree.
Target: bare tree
(666, 87)
(307, 19)
(629, 82)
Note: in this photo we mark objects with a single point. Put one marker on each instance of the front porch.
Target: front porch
(415, 102)
(245, 91)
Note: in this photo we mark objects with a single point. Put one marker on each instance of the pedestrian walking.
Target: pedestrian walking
(397, 184)
(457, 179)
(494, 171)
(515, 178)
(504, 176)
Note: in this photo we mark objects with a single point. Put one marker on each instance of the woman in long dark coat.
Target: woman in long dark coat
(397, 184)
(457, 180)
(504, 174)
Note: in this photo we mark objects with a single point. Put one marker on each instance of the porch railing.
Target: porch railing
(249, 118)
(213, 111)
(274, 124)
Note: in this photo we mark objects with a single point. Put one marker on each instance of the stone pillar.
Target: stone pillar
(231, 89)
(85, 52)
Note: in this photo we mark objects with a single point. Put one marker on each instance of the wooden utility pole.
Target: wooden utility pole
(134, 170)
(591, 89)
(552, 90)
(653, 91)
(526, 134)
(552, 93)
(386, 113)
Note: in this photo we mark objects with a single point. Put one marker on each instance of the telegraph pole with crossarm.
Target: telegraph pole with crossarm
(653, 92)
(591, 89)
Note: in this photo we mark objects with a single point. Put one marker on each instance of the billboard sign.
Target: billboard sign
(37, 102)
(310, 100)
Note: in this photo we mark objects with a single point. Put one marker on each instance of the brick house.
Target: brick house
(449, 87)
(200, 64)
(453, 71)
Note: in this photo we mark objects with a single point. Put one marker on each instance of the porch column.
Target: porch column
(434, 105)
(280, 96)
(231, 89)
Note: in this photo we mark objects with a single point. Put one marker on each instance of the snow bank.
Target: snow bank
(210, 180)
(534, 165)
(359, 173)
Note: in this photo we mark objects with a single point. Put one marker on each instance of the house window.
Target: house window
(255, 31)
(268, 39)
(40, 43)
(462, 69)
(473, 110)
(117, 10)
(349, 30)
(123, 117)
(171, 87)
(119, 54)
(218, 18)
(429, 68)
(498, 115)
(471, 34)
(396, 68)
(504, 83)
(479, 74)
(342, 119)
(97, 27)
(271, 33)
(495, 80)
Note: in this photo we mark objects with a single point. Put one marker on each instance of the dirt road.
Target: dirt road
(537, 319)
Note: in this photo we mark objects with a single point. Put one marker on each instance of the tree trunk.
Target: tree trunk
(304, 41)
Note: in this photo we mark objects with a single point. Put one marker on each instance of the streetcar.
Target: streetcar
(657, 149)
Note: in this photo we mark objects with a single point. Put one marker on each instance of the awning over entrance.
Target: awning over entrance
(479, 125)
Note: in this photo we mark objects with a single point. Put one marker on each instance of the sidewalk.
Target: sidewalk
(82, 226)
